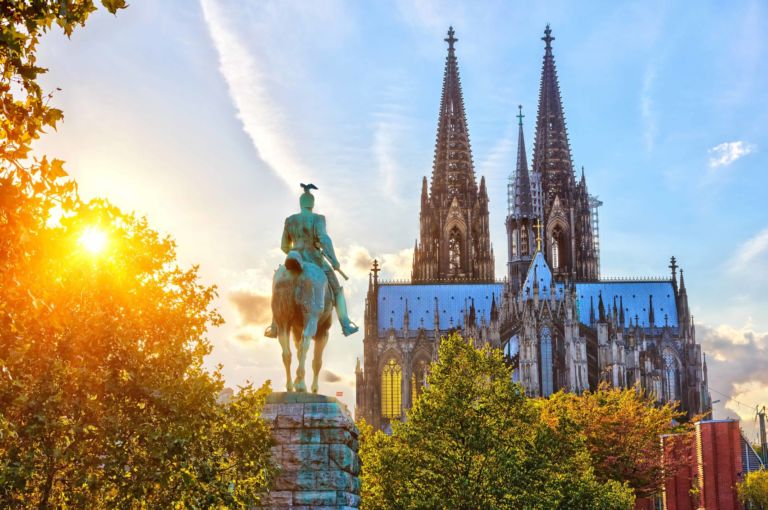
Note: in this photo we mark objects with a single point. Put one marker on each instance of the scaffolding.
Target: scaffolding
(594, 203)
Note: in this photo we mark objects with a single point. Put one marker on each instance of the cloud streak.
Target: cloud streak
(751, 251)
(728, 152)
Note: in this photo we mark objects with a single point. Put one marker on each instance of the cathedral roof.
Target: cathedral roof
(636, 297)
(451, 302)
(640, 298)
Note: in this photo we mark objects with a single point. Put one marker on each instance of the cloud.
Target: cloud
(331, 377)
(749, 252)
(254, 309)
(502, 155)
(736, 367)
(728, 152)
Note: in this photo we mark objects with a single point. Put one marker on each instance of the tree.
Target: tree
(104, 401)
(473, 440)
(621, 429)
(753, 491)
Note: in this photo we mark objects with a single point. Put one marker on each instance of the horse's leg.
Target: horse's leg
(310, 329)
(284, 335)
(317, 360)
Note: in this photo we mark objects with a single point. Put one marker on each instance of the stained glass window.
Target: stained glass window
(391, 389)
(546, 362)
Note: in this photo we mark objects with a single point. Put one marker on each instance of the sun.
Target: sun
(93, 239)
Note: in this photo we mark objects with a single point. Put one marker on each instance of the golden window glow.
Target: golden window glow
(418, 379)
(391, 389)
(93, 239)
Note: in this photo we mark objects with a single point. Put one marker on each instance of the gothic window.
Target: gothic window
(391, 390)
(524, 243)
(671, 376)
(555, 252)
(514, 243)
(418, 379)
(454, 251)
(546, 362)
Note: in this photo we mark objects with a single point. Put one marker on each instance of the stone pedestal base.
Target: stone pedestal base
(316, 453)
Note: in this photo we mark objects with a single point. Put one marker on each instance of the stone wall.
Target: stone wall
(316, 452)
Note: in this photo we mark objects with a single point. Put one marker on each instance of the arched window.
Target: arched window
(391, 390)
(418, 379)
(671, 376)
(546, 362)
(454, 251)
(555, 252)
(514, 243)
(524, 243)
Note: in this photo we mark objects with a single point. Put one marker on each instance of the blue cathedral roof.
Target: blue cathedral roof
(452, 300)
(635, 296)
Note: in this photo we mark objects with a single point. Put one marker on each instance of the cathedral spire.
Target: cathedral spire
(454, 238)
(522, 206)
(551, 152)
(453, 172)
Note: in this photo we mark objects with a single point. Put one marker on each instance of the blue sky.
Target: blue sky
(206, 116)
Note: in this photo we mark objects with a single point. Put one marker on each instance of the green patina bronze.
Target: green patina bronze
(305, 289)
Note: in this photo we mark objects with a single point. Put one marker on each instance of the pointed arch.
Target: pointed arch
(670, 375)
(391, 389)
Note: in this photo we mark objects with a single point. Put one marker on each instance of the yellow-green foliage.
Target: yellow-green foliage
(472, 440)
(753, 491)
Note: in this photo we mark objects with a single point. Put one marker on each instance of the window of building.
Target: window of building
(514, 243)
(546, 362)
(524, 243)
(671, 376)
(555, 253)
(454, 251)
(418, 379)
(391, 389)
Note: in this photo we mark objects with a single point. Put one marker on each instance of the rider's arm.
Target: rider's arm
(325, 240)
(286, 243)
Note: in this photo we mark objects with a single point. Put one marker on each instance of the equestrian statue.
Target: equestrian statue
(305, 290)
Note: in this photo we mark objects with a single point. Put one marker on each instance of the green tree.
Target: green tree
(104, 401)
(753, 491)
(473, 440)
(621, 429)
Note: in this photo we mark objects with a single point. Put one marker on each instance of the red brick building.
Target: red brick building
(710, 461)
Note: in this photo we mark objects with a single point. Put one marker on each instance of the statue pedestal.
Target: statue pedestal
(316, 452)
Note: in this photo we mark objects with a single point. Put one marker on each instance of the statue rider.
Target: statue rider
(305, 233)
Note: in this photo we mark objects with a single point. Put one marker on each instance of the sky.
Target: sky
(205, 117)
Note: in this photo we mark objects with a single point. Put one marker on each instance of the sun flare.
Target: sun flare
(93, 240)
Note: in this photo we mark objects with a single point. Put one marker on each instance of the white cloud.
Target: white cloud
(728, 152)
(750, 251)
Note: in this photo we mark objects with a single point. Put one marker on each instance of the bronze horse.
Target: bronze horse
(302, 304)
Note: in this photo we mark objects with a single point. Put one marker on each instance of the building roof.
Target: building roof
(452, 301)
(635, 297)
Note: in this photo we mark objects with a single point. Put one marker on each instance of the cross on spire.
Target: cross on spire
(375, 270)
(538, 226)
(450, 39)
(548, 37)
(520, 114)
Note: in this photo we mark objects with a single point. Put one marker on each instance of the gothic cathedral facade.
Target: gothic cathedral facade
(560, 325)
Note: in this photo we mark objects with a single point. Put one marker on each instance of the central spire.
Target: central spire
(453, 174)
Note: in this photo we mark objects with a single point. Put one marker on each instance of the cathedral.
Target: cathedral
(560, 324)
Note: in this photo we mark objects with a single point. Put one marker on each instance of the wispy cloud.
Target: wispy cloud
(501, 158)
(750, 251)
(263, 119)
(728, 152)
